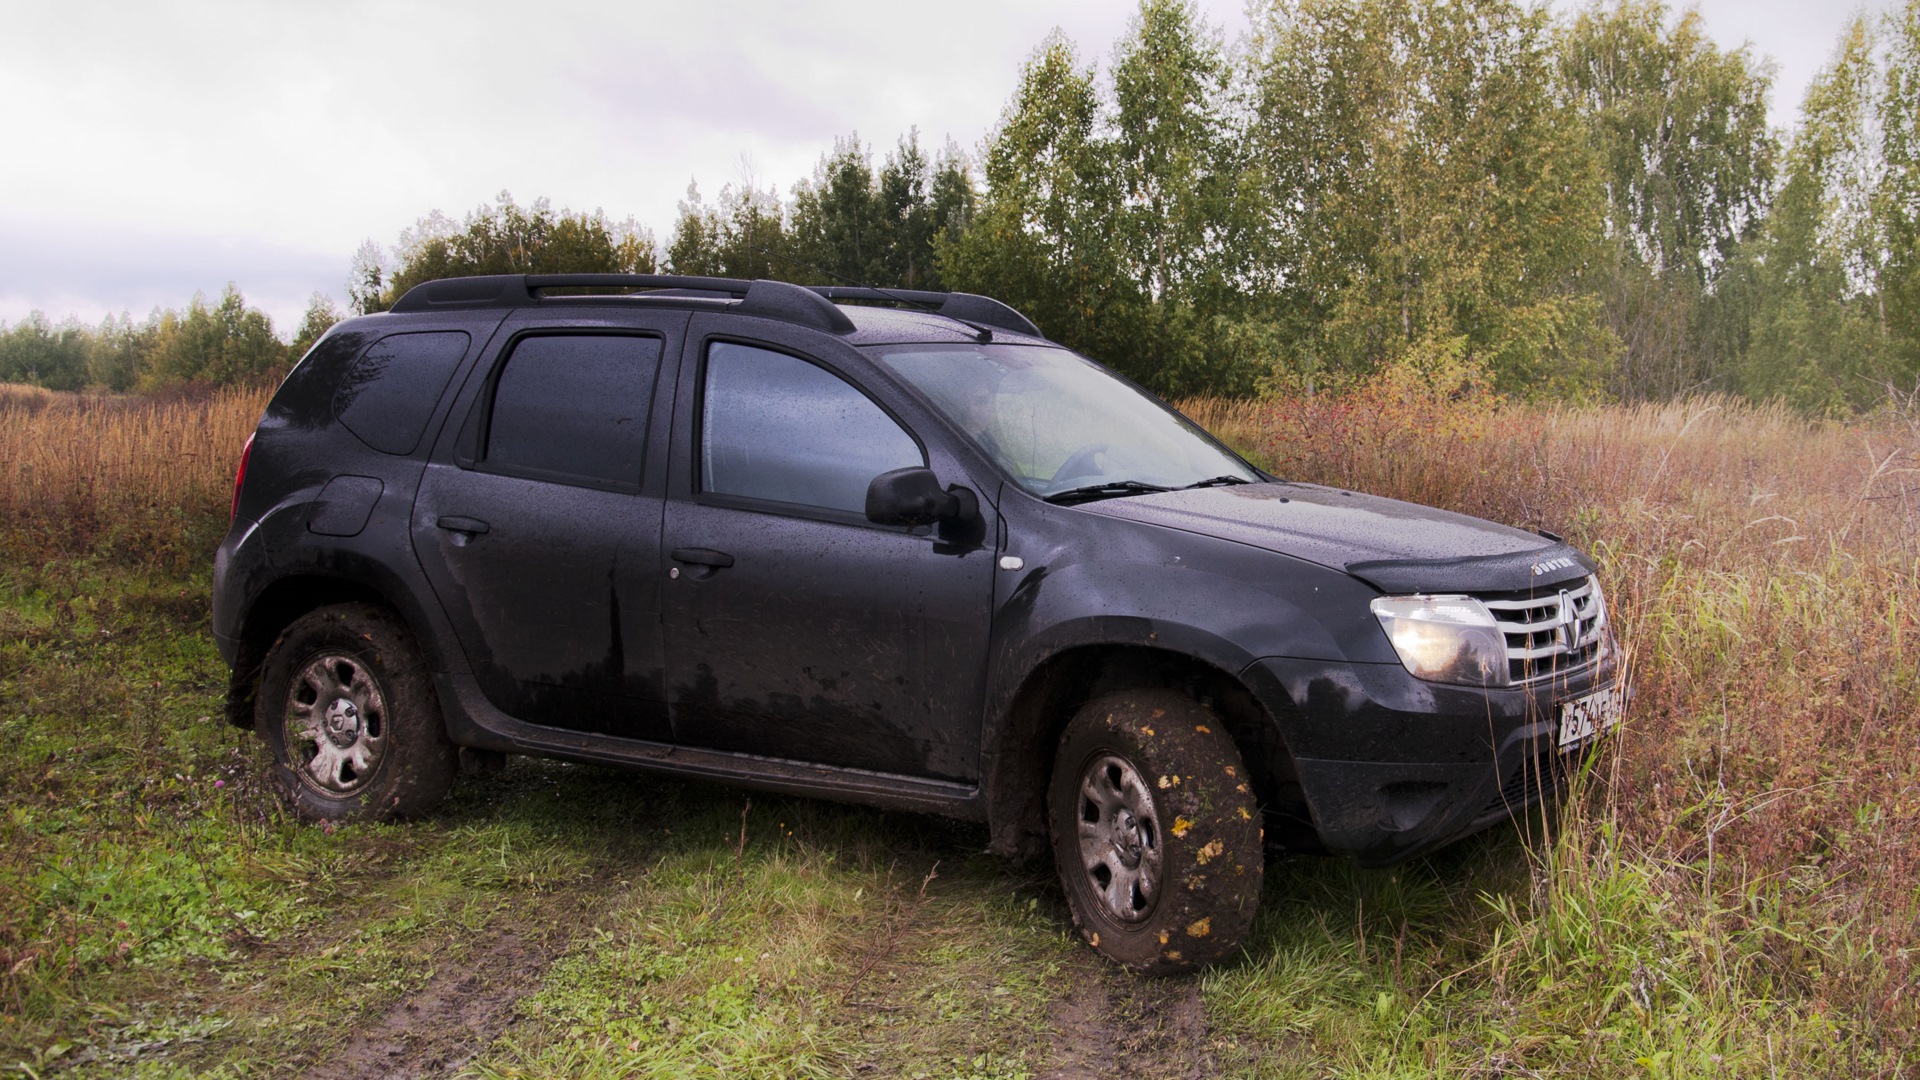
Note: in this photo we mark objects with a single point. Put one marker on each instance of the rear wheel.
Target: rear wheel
(1155, 831)
(348, 710)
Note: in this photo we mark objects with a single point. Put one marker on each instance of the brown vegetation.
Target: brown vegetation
(1764, 572)
(146, 479)
(1741, 884)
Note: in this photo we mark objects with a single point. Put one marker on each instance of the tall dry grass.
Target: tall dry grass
(1747, 869)
(139, 479)
(1763, 808)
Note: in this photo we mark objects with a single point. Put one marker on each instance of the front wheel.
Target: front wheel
(1155, 831)
(348, 710)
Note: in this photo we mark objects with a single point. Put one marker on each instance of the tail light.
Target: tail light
(239, 477)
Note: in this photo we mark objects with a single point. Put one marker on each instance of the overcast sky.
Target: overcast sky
(152, 150)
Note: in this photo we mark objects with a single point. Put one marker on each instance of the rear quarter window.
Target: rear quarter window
(389, 394)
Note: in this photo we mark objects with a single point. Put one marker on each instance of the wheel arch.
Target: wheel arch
(277, 606)
(1029, 732)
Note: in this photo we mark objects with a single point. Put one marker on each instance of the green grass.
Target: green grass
(164, 918)
(1731, 893)
(168, 919)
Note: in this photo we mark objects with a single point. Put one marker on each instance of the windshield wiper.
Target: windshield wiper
(1218, 481)
(1109, 490)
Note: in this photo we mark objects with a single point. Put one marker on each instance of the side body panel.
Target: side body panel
(286, 530)
(552, 586)
(826, 638)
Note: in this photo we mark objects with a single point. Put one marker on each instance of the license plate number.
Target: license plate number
(1584, 718)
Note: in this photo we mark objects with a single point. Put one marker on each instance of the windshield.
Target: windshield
(1061, 425)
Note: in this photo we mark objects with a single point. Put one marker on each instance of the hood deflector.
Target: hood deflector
(1515, 572)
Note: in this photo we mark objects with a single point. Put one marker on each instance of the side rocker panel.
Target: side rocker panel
(473, 721)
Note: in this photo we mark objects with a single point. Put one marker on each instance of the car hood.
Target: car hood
(1397, 547)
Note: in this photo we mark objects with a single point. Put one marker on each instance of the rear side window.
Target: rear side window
(778, 428)
(390, 392)
(573, 407)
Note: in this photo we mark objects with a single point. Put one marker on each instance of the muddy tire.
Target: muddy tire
(1155, 831)
(347, 708)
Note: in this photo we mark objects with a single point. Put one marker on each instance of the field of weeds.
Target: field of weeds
(1734, 890)
(143, 481)
(1746, 874)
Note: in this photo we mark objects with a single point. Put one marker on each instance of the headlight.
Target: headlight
(1450, 639)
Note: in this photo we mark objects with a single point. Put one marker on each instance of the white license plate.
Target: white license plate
(1584, 718)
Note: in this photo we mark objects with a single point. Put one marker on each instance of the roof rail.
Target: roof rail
(731, 286)
(780, 300)
(808, 305)
(521, 290)
(491, 290)
(966, 307)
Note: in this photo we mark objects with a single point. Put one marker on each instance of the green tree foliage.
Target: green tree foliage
(1470, 189)
(1191, 195)
(1120, 223)
(1041, 240)
(504, 238)
(221, 344)
(1687, 163)
(1818, 308)
(847, 224)
(366, 278)
(205, 345)
(1432, 196)
(1169, 138)
(839, 226)
(1798, 316)
(39, 352)
(743, 235)
(319, 318)
(118, 351)
(853, 225)
(1897, 201)
(1681, 128)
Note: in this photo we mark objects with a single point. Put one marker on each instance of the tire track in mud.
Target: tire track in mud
(440, 1028)
(1112, 1023)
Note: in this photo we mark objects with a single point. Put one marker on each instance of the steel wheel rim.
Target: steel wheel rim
(1119, 834)
(336, 730)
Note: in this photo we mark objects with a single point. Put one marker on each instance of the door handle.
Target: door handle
(703, 557)
(470, 526)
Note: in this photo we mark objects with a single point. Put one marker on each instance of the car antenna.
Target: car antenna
(981, 333)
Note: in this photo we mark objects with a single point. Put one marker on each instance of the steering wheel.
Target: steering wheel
(1080, 463)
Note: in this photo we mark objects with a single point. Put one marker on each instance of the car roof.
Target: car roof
(850, 312)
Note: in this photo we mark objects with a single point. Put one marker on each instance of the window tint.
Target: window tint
(388, 395)
(776, 427)
(574, 406)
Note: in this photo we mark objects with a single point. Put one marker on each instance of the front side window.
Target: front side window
(574, 407)
(778, 428)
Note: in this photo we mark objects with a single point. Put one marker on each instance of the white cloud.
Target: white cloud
(161, 148)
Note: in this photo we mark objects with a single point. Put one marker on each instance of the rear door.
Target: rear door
(538, 520)
(795, 627)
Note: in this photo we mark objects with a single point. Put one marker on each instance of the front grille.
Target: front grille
(1550, 631)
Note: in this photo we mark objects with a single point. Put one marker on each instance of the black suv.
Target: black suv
(888, 547)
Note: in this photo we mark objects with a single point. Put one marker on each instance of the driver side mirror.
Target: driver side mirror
(913, 496)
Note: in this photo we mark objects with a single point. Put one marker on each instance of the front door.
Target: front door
(795, 628)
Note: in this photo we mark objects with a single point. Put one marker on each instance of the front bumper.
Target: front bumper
(1392, 767)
